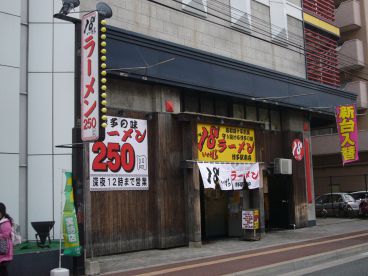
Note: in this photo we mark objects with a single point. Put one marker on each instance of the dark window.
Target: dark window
(322, 199)
(336, 198)
(358, 196)
(191, 103)
(222, 107)
(207, 105)
(349, 198)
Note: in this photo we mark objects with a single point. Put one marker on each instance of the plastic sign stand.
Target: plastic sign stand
(250, 225)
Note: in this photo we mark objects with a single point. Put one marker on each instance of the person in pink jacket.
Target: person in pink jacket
(6, 223)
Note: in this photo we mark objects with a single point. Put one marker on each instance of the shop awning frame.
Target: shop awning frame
(185, 67)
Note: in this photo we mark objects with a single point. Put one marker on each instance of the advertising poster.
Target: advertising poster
(348, 132)
(225, 144)
(247, 219)
(120, 162)
(70, 225)
(90, 105)
(250, 219)
(229, 176)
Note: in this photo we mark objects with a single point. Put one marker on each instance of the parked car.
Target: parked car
(362, 198)
(336, 204)
(363, 208)
(359, 196)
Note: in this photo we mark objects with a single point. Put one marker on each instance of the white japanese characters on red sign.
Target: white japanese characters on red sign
(298, 149)
(120, 162)
(90, 78)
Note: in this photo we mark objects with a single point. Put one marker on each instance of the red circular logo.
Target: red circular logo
(298, 149)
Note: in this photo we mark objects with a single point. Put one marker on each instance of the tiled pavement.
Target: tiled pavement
(152, 258)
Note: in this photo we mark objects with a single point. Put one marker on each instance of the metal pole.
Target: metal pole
(77, 152)
(331, 193)
(365, 182)
(61, 215)
(77, 160)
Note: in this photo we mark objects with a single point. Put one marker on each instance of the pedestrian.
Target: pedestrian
(6, 248)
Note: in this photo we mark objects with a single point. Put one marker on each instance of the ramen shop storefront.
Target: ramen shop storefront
(225, 178)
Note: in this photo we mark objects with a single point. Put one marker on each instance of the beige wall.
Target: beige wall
(349, 178)
(292, 120)
(330, 144)
(150, 19)
(141, 97)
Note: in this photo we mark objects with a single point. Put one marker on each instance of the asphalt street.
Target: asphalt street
(357, 267)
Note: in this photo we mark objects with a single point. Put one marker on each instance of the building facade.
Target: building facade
(37, 64)
(222, 63)
(234, 64)
(330, 176)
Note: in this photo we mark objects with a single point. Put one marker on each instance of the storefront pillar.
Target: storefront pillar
(262, 217)
(194, 209)
(254, 199)
(192, 185)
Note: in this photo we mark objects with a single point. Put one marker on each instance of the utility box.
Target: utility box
(282, 166)
(250, 225)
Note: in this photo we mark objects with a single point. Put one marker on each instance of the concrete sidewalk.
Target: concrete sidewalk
(151, 258)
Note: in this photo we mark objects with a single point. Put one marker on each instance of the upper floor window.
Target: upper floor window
(198, 7)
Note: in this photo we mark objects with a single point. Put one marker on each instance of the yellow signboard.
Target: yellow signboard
(256, 219)
(225, 144)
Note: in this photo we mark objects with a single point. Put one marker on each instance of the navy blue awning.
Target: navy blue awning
(137, 56)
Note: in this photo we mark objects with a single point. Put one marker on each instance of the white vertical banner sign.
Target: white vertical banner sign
(237, 176)
(120, 162)
(206, 173)
(252, 177)
(215, 175)
(230, 176)
(90, 77)
(225, 181)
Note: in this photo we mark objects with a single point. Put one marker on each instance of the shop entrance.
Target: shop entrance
(279, 201)
(220, 213)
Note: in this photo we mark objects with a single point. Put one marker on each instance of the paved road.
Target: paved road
(155, 257)
(358, 267)
(244, 261)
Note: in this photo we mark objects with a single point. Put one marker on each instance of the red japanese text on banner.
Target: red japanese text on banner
(90, 78)
(217, 143)
(348, 132)
(230, 176)
(120, 162)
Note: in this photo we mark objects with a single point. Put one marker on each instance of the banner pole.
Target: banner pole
(61, 215)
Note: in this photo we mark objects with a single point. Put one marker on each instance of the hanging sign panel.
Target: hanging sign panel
(229, 176)
(90, 104)
(120, 162)
(348, 132)
(225, 144)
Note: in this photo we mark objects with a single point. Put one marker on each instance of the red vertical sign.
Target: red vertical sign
(348, 132)
(308, 170)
